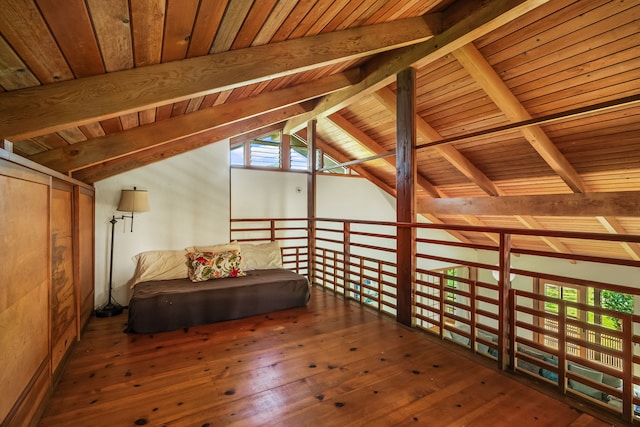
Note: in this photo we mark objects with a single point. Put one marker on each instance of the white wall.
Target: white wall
(348, 197)
(189, 198)
(268, 194)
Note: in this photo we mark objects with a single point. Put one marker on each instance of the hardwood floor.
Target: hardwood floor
(329, 364)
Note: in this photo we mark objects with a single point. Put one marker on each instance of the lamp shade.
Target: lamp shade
(134, 201)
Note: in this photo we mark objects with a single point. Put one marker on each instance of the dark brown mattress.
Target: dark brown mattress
(166, 305)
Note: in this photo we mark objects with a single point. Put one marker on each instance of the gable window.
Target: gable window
(298, 154)
(272, 151)
(265, 152)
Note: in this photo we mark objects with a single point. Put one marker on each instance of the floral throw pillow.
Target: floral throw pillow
(213, 265)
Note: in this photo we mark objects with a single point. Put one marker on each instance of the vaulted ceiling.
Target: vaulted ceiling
(528, 112)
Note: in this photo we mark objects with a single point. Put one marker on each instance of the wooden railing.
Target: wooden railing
(508, 324)
(291, 233)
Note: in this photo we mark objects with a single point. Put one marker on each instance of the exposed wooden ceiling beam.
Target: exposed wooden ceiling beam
(480, 18)
(456, 234)
(387, 98)
(341, 157)
(623, 203)
(256, 133)
(88, 153)
(49, 108)
(553, 242)
(474, 220)
(487, 78)
(157, 153)
(365, 140)
(614, 227)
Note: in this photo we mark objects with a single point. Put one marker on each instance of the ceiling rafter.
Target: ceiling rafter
(613, 226)
(154, 154)
(94, 151)
(486, 77)
(365, 140)
(44, 109)
(368, 142)
(340, 157)
(387, 98)
(480, 18)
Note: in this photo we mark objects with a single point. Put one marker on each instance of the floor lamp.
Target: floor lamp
(130, 201)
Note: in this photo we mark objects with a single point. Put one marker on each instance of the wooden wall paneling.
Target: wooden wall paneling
(84, 256)
(24, 296)
(63, 306)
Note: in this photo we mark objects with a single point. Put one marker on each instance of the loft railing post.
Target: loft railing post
(513, 300)
(627, 367)
(504, 284)
(311, 249)
(562, 345)
(272, 234)
(346, 247)
(442, 301)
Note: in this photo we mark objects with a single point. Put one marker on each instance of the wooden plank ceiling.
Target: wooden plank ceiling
(94, 88)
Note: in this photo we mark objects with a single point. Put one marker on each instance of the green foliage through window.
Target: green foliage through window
(610, 300)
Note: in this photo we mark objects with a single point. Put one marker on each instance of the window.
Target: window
(237, 155)
(451, 287)
(272, 151)
(591, 297)
(298, 154)
(330, 163)
(265, 152)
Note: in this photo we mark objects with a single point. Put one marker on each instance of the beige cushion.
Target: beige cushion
(223, 247)
(159, 265)
(261, 256)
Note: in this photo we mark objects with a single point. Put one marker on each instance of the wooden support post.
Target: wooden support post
(405, 190)
(504, 285)
(311, 196)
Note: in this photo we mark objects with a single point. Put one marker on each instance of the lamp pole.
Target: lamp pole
(111, 308)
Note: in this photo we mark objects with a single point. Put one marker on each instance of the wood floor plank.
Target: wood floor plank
(330, 363)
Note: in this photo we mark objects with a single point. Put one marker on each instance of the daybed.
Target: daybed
(180, 289)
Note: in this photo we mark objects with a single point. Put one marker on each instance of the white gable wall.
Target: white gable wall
(189, 198)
